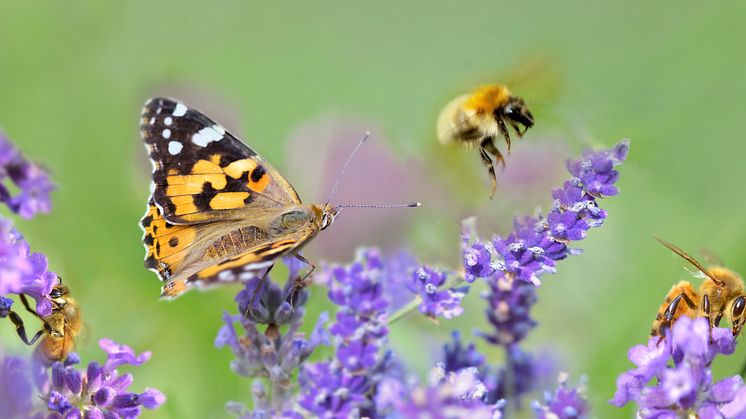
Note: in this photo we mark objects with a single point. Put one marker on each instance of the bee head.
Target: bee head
(58, 291)
(515, 110)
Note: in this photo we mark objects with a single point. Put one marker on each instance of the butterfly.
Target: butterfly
(217, 212)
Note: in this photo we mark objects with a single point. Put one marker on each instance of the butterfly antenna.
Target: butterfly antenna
(347, 163)
(409, 205)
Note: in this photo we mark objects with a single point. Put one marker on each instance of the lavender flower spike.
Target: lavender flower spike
(449, 395)
(436, 302)
(685, 388)
(32, 181)
(271, 354)
(537, 243)
(344, 386)
(565, 403)
(22, 271)
(96, 392)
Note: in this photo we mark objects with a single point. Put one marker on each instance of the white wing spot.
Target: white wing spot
(152, 121)
(245, 276)
(226, 275)
(206, 135)
(180, 110)
(168, 120)
(219, 128)
(174, 147)
(166, 133)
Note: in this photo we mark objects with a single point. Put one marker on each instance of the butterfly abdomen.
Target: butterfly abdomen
(236, 242)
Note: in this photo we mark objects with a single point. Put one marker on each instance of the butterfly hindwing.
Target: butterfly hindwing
(165, 243)
(203, 173)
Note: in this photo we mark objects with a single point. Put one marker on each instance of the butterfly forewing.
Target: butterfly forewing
(218, 212)
(202, 172)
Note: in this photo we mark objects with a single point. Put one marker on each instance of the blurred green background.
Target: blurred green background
(667, 75)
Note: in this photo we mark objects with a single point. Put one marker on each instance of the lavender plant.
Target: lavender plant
(363, 377)
(679, 368)
(30, 387)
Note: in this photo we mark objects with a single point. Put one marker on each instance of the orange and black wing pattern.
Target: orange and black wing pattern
(201, 172)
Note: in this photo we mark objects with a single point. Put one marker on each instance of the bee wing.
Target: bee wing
(691, 260)
(711, 258)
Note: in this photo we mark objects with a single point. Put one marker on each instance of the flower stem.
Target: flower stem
(412, 305)
(405, 310)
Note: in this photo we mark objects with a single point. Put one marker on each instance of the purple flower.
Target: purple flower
(102, 391)
(564, 403)
(327, 391)
(270, 354)
(686, 387)
(97, 391)
(449, 395)
(35, 187)
(536, 244)
(22, 272)
(272, 305)
(357, 356)
(348, 383)
(595, 171)
(436, 302)
(15, 388)
(119, 354)
(32, 181)
(477, 256)
(509, 310)
(14, 265)
(5, 305)
(524, 252)
(457, 357)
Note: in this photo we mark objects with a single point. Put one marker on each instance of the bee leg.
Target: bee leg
(301, 282)
(487, 161)
(518, 129)
(668, 316)
(504, 131)
(21, 329)
(706, 310)
(256, 289)
(24, 300)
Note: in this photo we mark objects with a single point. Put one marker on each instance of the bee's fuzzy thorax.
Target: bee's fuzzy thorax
(733, 284)
(487, 98)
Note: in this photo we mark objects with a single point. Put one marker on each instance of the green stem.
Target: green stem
(404, 311)
(412, 305)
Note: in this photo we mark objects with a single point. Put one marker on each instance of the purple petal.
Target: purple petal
(737, 407)
(104, 396)
(725, 390)
(152, 398)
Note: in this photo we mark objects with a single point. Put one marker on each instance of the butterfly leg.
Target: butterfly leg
(257, 289)
(487, 161)
(300, 283)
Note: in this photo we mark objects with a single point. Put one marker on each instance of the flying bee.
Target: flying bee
(721, 294)
(60, 328)
(476, 119)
